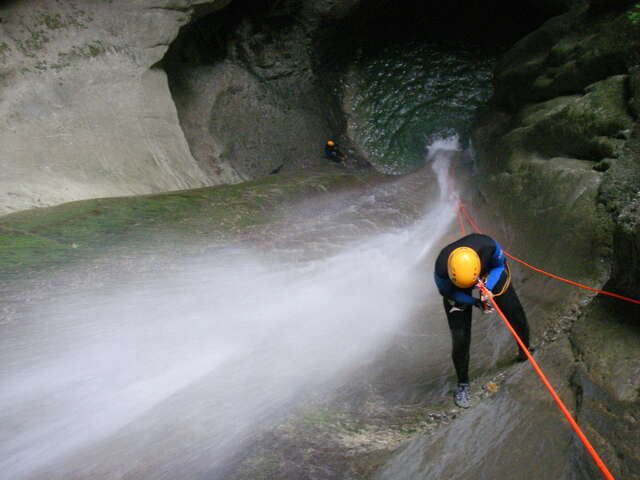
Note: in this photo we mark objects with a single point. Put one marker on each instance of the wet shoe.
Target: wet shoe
(522, 357)
(461, 396)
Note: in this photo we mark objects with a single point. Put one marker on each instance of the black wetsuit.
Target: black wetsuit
(332, 153)
(492, 263)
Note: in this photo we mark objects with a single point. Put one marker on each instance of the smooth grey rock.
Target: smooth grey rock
(254, 104)
(239, 127)
(83, 113)
(503, 436)
(86, 110)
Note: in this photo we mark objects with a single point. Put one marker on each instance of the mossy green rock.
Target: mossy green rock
(550, 207)
(46, 237)
(609, 377)
(567, 54)
(592, 126)
(525, 60)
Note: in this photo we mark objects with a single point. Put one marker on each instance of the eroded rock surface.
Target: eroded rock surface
(87, 112)
(502, 437)
(559, 152)
(84, 113)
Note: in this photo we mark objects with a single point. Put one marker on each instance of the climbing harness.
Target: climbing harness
(507, 282)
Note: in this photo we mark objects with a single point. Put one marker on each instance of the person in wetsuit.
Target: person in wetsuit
(333, 153)
(458, 268)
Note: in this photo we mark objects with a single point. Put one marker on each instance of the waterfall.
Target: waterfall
(165, 375)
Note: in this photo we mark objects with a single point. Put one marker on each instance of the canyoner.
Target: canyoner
(458, 268)
(476, 263)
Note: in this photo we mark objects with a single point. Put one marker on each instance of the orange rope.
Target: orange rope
(460, 222)
(603, 468)
(571, 282)
(462, 208)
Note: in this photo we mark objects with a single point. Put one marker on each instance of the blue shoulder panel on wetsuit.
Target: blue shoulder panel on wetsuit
(448, 290)
(496, 267)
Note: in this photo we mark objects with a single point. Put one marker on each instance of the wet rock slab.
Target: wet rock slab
(607, 339)
(515, 430)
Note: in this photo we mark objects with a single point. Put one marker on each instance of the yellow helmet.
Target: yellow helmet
(463, 266)
(331, 143)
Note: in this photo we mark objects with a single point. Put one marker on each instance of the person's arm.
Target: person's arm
(496, 267)
(448, 290)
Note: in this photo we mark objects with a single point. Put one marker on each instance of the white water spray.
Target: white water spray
(165, 377)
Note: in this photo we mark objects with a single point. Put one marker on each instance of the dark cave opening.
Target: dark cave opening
(208, 38)
(476, 22)
(493, 25)
(298, 53)
(369, 26)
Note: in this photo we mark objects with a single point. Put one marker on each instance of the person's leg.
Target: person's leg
(460, 327)
(510, 305)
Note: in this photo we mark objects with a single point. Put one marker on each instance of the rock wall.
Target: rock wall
(83, 112)
(86, 110)
(248, 96)
(560, 161)
(502, 437)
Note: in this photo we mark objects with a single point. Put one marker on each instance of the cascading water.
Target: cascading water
(166, 375)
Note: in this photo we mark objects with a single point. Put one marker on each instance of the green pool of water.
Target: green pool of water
(405, 96)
